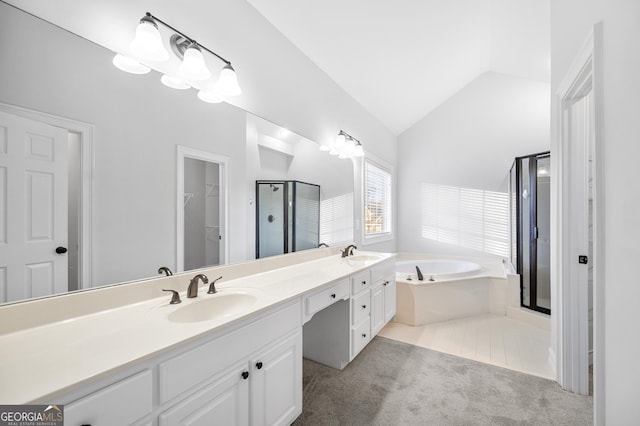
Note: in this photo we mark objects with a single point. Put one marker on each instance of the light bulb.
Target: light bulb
(209, 97)
(173, 82)
(340, 141)
(147, 43)
(227, 84)
(193, 66)
(359, 152)
(129, 65)
(349, 148)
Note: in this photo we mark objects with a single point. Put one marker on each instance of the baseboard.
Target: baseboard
(553, 363)
(536, 319)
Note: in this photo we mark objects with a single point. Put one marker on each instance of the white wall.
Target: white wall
(571, 23)
(470, 141)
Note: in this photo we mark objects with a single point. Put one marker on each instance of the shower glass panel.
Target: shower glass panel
(287, 217)
(530, 195)
(306, 213)
(270, 219)
(543, 231)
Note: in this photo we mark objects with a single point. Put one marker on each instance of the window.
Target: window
(377, 200)
(336, 219)
(465, 217)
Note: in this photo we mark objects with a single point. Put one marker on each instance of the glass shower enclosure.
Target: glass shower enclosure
(530, 195)
(287, 217)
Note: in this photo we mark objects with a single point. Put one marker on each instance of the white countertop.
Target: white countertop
(40, 361)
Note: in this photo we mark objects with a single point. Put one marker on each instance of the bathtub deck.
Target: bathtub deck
(489, 338)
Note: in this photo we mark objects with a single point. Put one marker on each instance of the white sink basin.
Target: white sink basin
(213, 306)
(363, 257)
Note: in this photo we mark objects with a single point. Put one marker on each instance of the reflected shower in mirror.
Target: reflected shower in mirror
(287, 217)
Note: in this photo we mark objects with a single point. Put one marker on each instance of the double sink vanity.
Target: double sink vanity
(125, 355)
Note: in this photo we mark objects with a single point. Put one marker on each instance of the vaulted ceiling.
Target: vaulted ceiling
(401, 59)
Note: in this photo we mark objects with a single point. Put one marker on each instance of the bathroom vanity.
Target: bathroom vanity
(234, 357)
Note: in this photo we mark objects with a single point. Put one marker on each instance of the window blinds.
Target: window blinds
(377, 199)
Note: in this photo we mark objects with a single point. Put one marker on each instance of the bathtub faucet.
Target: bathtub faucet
(419, 273)
(348, 250)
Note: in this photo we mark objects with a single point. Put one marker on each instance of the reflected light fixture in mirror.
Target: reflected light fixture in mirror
(148, 46)
(130, 65)
(209, 97)
(173, 82)
(344, 146)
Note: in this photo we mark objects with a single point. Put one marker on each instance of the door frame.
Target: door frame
(570, 323)
(86, 133)
(222, 161)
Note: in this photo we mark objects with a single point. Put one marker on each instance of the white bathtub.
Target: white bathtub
(451, 289)
(436, 269)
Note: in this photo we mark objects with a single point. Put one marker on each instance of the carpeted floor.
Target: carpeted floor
(394, 383)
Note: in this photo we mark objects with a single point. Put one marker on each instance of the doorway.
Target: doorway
(531, 208)
(201, 209)
(579, 268)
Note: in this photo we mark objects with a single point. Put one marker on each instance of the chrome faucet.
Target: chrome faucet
(323, 245)
(165, 270)
(193, 285)
(348, 250)
(212, 286)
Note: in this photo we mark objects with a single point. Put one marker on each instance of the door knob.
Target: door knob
(61, 250)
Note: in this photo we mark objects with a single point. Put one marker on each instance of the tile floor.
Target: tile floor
(490, 338)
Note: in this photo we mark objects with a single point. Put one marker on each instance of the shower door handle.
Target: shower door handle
(535, 232)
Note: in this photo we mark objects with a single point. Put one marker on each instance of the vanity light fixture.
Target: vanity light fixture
(147, 46)
(344, 146)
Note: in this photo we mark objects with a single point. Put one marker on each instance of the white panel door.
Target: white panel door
(33, 208)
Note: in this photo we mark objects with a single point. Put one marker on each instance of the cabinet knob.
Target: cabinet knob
(333, 295)
(245, 375)
(364, 306)
(61, 250)
(364, 335)
(259, 365)
(364, 283)
(385, 283)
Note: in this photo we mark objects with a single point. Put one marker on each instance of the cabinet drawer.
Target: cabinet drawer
(360, 336)
(360, 307)
(318, 301)
(360, 281)
(122, 403)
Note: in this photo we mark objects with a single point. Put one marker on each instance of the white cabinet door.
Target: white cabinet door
(225, 402)
(121, 403)
(389, 299)
(377, 308)
(276, 383)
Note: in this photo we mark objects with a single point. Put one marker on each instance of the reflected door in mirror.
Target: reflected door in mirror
(33, 181)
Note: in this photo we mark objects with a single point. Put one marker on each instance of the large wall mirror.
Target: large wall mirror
(118, 203)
